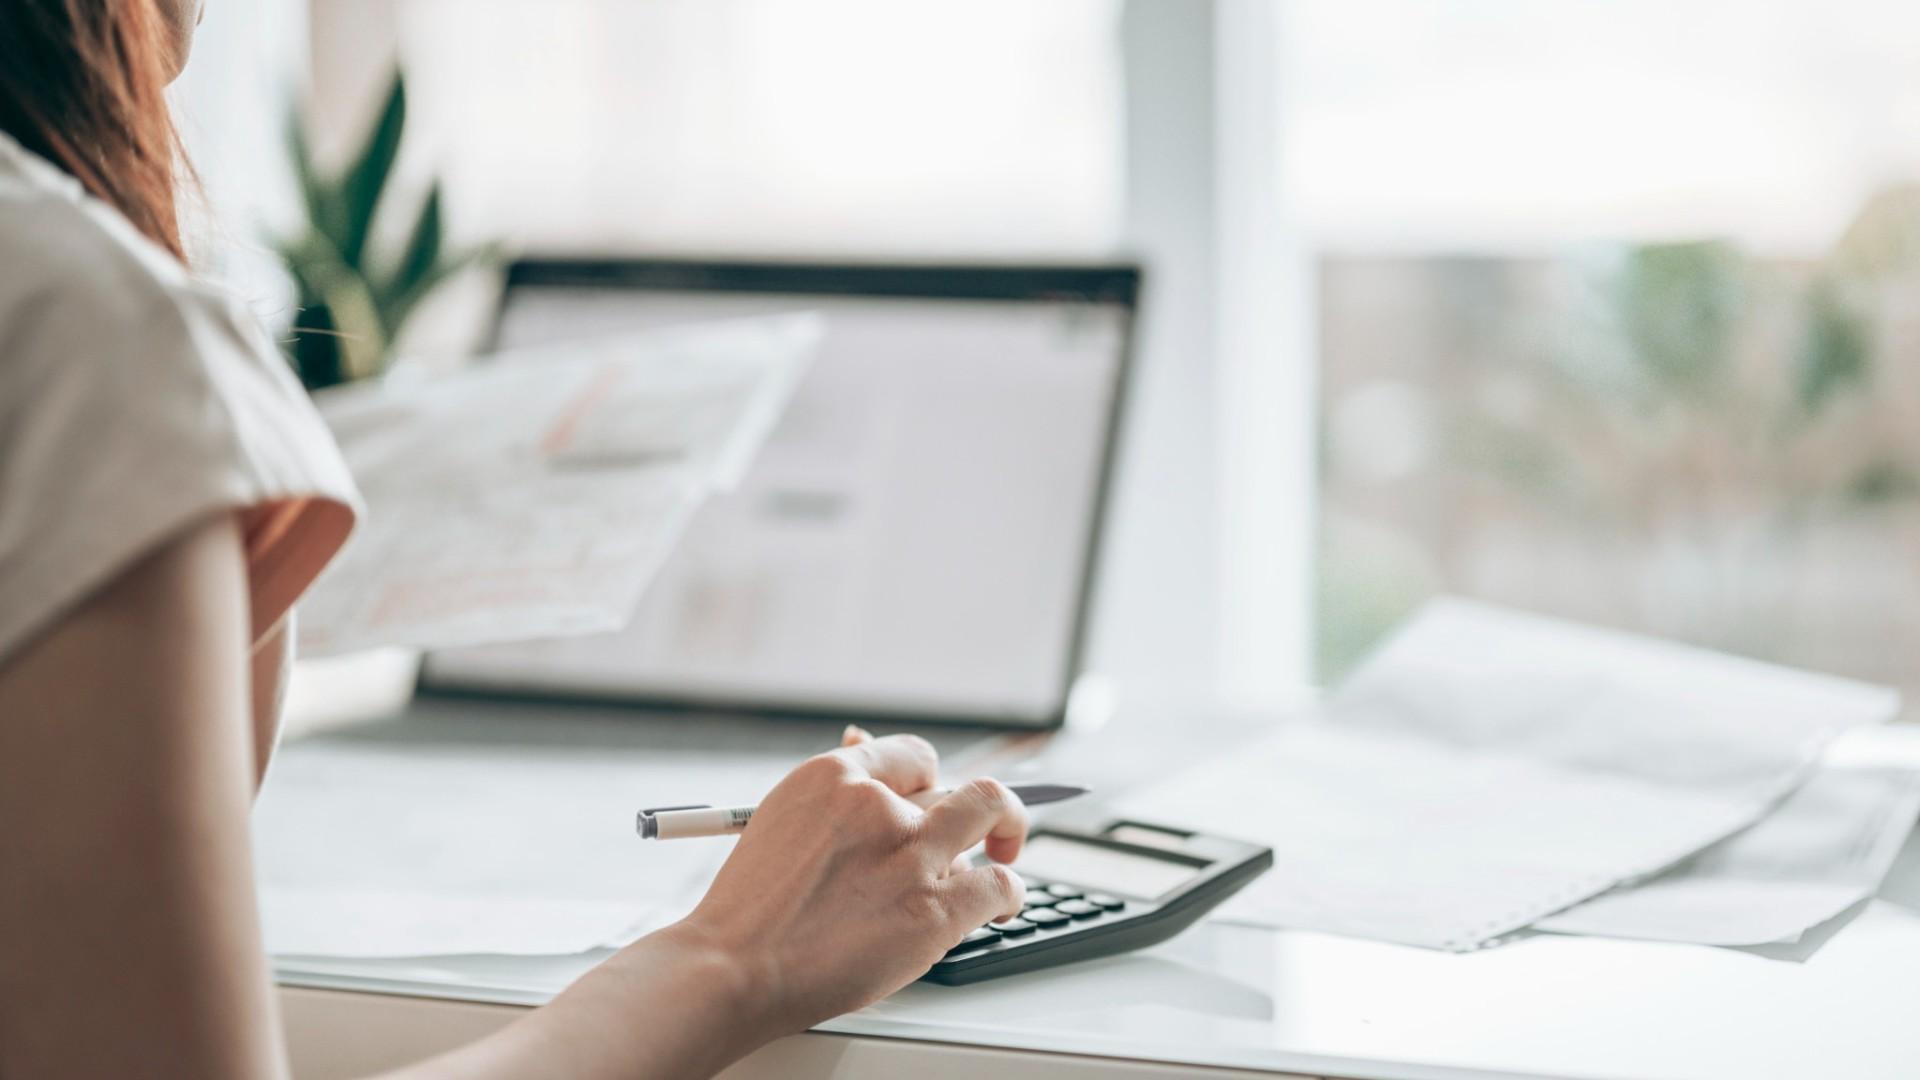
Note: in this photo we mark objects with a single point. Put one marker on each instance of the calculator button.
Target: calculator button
(977, 937)
(1065, 892)
(1079, 909)
(1036, 898)
(1012, 927)
(1044, 917)
(1109, 903)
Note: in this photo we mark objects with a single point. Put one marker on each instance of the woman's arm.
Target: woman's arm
(126, 887)
(127, 765)
(270, 667)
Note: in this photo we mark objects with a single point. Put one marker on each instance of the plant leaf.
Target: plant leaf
(366, 178)
(400, 307)
(417, 260)
(352, 315)
(363, 341)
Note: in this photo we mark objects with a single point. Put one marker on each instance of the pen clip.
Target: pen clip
(643, 821)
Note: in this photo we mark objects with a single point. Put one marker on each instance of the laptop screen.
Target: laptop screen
(915, 538)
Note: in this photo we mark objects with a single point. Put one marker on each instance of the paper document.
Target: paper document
(535, 495)
(367, 847)
(1486, 769)
(1825, 848)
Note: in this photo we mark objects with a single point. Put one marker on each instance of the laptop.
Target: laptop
(916, 542)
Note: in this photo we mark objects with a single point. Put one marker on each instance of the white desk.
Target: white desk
(1240, 998)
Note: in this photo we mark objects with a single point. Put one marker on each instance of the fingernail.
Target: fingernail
(855, 733)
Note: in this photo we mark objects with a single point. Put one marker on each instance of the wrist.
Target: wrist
(739, 984)
(675, 1003)
(711, 983)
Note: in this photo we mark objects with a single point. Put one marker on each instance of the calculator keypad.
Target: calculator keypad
(1045, 918)
(1050, 908)
(977, 937)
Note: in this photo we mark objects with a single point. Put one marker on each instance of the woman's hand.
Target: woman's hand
(841, 891)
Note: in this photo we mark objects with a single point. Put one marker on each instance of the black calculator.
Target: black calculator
(1097, 886)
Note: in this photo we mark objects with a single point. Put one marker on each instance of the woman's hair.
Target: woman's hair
(83, 84)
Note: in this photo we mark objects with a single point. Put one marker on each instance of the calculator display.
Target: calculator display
(1142, 877)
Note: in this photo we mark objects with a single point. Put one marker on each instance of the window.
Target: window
(1617, 316)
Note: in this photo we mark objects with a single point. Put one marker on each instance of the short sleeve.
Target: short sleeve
(133, 406)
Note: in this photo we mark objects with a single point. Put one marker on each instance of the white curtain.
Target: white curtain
(761, 125)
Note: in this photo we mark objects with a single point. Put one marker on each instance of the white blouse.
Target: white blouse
(135, 402)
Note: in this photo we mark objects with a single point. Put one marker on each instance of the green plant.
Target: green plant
(1677, 308)
(355, 298)
(1691, 381)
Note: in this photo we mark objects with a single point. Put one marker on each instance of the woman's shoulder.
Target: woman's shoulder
(60, 248)
(97, 321)
(86, 300)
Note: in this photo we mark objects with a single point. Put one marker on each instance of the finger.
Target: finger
(978, 809)
(984, 894)
(855, 735)
(961, 864)
(905, 763)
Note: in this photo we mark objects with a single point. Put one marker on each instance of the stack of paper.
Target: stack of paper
(1486, 770)
(535, 495)
(1825, 848)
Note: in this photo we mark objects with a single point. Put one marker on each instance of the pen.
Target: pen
(679, 822)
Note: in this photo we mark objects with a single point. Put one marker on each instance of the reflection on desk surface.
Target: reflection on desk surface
(1234, 995)
(1229, 995)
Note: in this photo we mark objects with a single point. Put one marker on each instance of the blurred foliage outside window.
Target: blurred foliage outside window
(1618, 316)
(1677, 438)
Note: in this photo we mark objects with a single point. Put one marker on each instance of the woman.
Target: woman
(166, 494)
